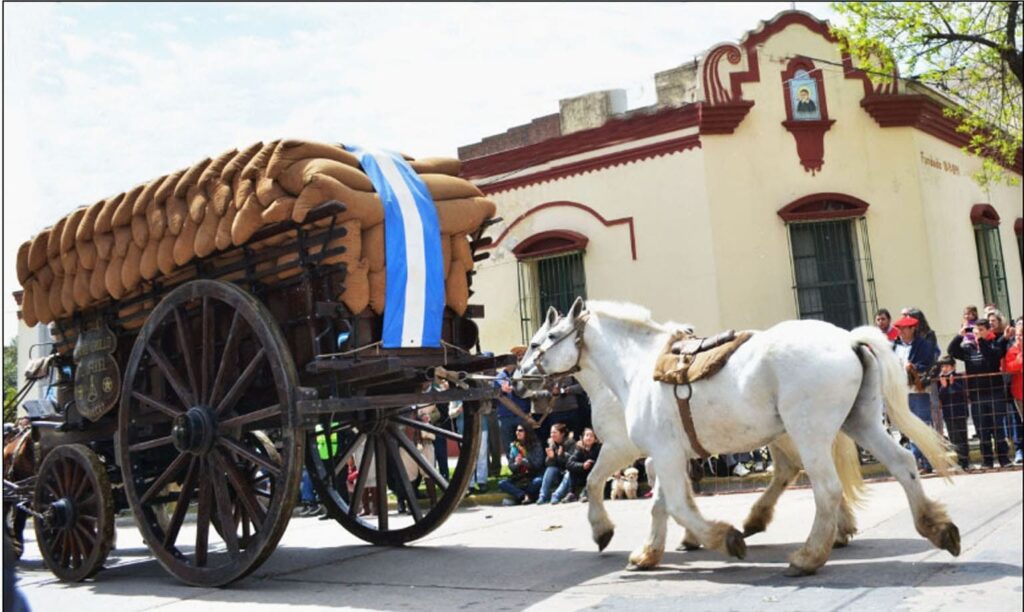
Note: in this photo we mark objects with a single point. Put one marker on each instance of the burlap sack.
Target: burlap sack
(88, 224)
(156, 220)
(378, 288)
(456, 288)
(122, 238)
(142, 202)
(185, 245)
(248, 220)
(70, 261)
(295, 177)
(80, 288)
(243, 188)
(67, 239)
(148, 268)
(373, 247)
(124, 211)
(256, 166)
(463, 215)
(104, 244)
(37, 250)
(98, 280)
(356, 296)
(140, 231)
(67, 294)
(220, 198)
(213, 171)
(279, 210)
(131, 274)
(190, 178)
(446, 253)
(21, 262)
(267, 190)
(87, 254)
(437, 165)
(366, 207)
(224, 228)
(461, 251)
(167, 187)
(41, 297)
(53, 240)
(28, 304)
(165, 254)
(196, 200)
(291, 151)
(105, 220)
(444, 187)
(112, 279)
(206, 235)
(176, 210)
(53, 298)
(238, 162)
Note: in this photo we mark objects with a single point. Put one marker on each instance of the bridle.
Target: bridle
(577, 331)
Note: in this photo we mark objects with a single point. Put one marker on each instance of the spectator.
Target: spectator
(513, 410)
(1012, 365)
(984, 386)
(581, 462)
(970, 317)
(526, 462)
(925, 330)
(953, 397)
(437, 415)
(735, 463)
(478, 481)
(560, 402)
(883, 320)
(918, 355)
(310, 505)
(557, 457)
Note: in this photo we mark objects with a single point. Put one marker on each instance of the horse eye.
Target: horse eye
(551, 336)
(534, 345)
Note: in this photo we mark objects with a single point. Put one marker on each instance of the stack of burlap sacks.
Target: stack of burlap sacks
(106, 251)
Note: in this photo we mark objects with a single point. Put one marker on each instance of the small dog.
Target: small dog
(624, 484)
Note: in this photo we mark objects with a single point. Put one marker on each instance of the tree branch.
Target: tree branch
(964, 38)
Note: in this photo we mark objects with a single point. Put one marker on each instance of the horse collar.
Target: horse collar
(577, 331)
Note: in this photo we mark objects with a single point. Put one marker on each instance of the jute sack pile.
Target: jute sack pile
(154, 231)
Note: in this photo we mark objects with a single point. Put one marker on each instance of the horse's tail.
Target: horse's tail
(897, 407)
(847, 461)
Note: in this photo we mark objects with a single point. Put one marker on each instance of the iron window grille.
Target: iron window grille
(991, 267)
(555, 280)
(833, 278)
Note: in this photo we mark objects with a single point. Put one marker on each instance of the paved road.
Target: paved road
(495, 558)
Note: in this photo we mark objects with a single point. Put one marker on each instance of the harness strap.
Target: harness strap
(687, 418)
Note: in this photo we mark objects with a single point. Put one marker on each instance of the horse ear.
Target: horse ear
(552, 316)
(577, 308)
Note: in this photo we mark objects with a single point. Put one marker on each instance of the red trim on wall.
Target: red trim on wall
(657, 149)
(550, 243)
(984, 214)
(536, 209)
(815, 207)
(723, 118)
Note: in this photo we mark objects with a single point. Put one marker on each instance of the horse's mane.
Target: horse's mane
(624, 311)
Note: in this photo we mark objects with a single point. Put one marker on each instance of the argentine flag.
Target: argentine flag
(414, 293)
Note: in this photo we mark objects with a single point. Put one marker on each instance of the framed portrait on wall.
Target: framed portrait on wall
(803, 93)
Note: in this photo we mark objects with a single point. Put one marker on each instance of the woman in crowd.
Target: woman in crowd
(579, 465)
(558, 450)
(526, 462)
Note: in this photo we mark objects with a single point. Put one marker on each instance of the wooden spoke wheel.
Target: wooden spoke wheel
(209, 383)
(358, 451)
(75, 529)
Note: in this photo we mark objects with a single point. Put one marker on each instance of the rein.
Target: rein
(577, 331)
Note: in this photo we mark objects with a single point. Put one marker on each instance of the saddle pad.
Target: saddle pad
(679, 368)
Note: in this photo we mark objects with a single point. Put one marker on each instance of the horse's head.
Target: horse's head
(554, 351)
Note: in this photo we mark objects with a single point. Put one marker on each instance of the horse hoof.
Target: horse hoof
(950, 539)
(840, 544)
(603, 539)
(735, 545)
(796, 572)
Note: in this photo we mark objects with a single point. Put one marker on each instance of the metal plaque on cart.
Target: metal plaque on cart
(97, 377)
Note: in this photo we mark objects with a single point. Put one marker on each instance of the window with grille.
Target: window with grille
(553, 280)
(833, 279)
(990, 266)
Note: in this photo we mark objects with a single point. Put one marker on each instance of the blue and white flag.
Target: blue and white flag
(414, 293)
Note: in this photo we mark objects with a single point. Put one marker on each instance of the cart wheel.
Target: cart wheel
(189, 416)
(368, 442)
(76, 529)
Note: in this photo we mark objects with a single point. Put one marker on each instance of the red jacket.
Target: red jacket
(1012, 364)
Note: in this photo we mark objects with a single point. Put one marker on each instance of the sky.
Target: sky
(98, 98)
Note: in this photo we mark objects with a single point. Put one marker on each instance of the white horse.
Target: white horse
(807, 379)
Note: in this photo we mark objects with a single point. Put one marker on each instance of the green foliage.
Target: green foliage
(969, 51)
(10, 378)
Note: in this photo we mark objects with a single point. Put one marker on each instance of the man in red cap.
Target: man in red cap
(918, 355)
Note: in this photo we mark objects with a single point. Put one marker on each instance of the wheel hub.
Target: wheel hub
(63, 514)
(195, 431)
